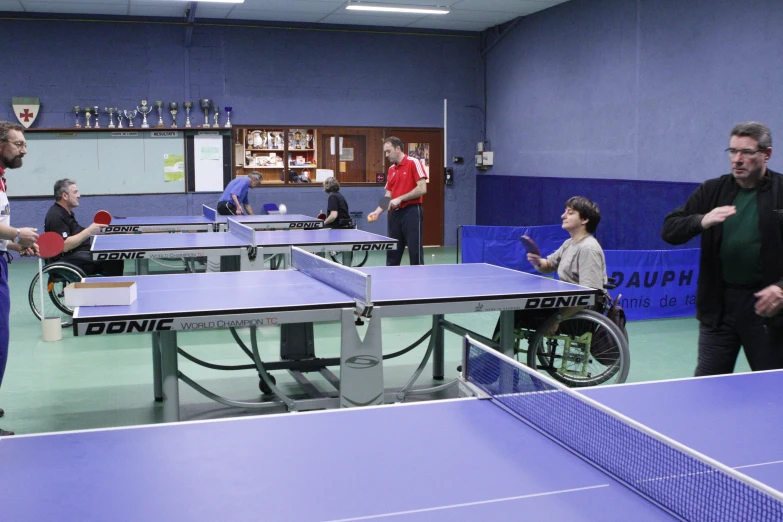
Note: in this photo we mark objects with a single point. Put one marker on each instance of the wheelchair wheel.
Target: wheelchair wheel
(353, 259)
(57, 277)
(587, 350)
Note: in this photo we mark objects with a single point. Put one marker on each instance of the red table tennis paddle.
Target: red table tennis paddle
(321, 216)
(102, 217)
(530, 245)
(50, 244)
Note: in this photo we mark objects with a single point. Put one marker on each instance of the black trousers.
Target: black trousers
(406, 226)
(83, 259)
(761, 338)
(226, 208)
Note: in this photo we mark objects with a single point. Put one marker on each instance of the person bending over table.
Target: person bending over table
(337, 215)
(579, 260)
(234, 201)
(76, 251)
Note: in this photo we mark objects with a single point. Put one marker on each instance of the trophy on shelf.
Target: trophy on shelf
(119, 118)
(205, 104)
(159, 106)
(87, 117)
(111, 111)
(77, 110)
(173, 106)
(144, 110)
(130, 115)
(309, 138)
(216, 115)
(97, 125)
(188, 105)
(228, 118)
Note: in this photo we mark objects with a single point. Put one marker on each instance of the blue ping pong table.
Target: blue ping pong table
(471, 458)
(241, 240)
(316, 290)
(209, 221)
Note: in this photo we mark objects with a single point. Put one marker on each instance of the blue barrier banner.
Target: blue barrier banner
(501, 245)
(655, 283)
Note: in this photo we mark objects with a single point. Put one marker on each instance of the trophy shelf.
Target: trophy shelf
(278, 153)
(107, 129)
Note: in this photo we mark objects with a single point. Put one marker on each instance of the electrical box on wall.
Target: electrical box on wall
(484, 158)
(488, 158)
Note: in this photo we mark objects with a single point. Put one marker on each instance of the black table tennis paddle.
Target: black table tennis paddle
(530, 245)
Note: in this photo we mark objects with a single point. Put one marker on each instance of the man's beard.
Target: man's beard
(13, 163)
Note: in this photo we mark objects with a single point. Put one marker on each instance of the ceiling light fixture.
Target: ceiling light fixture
(219, 1)
(390, 8)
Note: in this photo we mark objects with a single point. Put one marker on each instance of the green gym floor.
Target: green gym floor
(105, 381)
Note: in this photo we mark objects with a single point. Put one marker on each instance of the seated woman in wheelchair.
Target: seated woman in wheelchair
(61, 219)
(337, 215)
(580, 260)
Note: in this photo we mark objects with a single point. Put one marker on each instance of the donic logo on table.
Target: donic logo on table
(559, 302)
(307, 224)
(117, 327)
(121, 228)
(361, 362)
(378, 246)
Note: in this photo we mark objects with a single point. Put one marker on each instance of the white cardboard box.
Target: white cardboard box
(100, 294)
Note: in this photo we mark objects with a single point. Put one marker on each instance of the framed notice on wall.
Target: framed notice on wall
(209, 153)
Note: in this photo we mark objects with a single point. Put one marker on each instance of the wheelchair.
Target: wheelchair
(352, 259)
(57, 275)
(588, 349)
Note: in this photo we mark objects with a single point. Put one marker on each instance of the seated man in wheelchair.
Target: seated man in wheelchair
(580, 260)
(61, 219)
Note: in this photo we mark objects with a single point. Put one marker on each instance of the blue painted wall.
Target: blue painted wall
(632, 211)
(626, 90)
(272, 76)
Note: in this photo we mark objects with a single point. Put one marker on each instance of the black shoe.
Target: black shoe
(2, 412)
(4, 433)
(459, 368)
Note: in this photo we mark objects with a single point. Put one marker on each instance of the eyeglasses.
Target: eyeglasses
(18, 144)
(744, 152)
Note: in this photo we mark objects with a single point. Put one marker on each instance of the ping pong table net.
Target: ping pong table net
(678, 479)
(351, 282)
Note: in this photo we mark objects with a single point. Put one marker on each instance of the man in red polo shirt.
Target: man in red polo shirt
(406, 183)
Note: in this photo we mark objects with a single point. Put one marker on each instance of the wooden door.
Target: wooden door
(353, 158)
(427, 145)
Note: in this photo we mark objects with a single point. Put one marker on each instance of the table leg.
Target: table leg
(169, 375)
(361, 363)
(142, 266)
(507, 332)
(438, 350)
(156, 376)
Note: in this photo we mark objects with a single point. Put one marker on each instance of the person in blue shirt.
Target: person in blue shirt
(234, 201)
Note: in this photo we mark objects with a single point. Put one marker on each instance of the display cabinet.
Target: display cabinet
(280, 154)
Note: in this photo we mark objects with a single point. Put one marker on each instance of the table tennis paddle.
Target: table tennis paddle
(321, 216)
(530, 245)
(102, 217)
(50, 244)
(383, 203)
